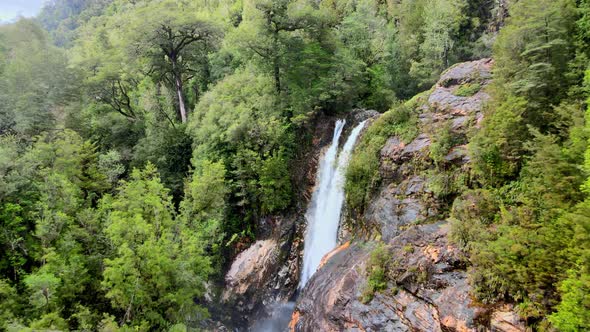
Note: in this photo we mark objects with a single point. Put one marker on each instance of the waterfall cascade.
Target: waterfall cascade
(323, 218)
(323, 213)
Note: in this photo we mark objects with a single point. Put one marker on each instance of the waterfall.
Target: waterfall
(323, 213)
(323, 218)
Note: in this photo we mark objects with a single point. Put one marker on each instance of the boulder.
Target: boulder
(397, 152)
(251, 269)
(504, 319)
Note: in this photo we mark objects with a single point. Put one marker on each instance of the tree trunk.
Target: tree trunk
(276, 65)
(277, 75)
(178, 86)
(181, 106)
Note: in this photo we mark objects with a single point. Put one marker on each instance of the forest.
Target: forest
(141, 141)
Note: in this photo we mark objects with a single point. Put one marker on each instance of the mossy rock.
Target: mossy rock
(467, 89)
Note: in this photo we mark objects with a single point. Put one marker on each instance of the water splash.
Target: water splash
(323, 213)
(280, 315)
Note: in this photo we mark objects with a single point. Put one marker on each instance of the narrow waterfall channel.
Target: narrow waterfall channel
(323, 213)
(323, 218)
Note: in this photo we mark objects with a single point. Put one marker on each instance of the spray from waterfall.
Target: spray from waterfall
(323, 213)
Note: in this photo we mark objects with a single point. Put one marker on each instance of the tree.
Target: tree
(442, 20)
(35, 83)
(159, 266)
(62, 17)
(204, 206)
(573, 313)
(168, 40)
(175, 39)
(532, 55)
(110, 78)
(269, 30)
(237, 123)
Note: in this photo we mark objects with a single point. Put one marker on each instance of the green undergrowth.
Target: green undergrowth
(467, 89)
(377, 273)
(362, 176)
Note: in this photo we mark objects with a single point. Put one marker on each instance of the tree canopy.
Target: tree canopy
(143, 141)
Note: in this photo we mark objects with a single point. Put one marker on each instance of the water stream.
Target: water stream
(323, 213)
(323, 218)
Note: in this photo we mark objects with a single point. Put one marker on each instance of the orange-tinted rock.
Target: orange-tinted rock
(505, 319)
(332, 253)
(294, 320)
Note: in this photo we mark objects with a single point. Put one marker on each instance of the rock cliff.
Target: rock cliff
(427, 287)
(267, 272)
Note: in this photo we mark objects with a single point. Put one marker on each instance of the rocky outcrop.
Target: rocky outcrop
(427, 287)
(406, 197)
(504, 319)
(266, 272)
(429, 290)
(251, 269)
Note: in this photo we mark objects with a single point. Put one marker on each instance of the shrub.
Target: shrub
(471, 214)
(377, 269)
(467, 89)
(362, 175)
(442, 142)
(446, 183)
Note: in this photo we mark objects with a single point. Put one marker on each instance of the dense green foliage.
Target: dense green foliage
(141, 142)
(529, 160)
(521, 213)
(362, 175)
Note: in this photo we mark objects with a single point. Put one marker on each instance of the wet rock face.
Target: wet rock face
(431, 296)
(428, 290)
(427, 286)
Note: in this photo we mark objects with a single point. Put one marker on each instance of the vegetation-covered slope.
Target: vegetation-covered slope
(142, 142)
(519, 210)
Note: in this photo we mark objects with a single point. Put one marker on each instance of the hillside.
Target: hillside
(411, 165)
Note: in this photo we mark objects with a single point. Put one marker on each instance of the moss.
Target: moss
(362, 176)
(419, 99)
(467, 89)
(408, 248)
(377, 273)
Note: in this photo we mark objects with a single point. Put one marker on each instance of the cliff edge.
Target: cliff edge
(403, 273)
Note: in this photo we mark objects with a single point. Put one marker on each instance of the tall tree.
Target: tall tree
(35, 82)
(442, 20)
(175, 39)
(266, 31)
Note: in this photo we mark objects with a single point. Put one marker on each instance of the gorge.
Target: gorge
(323, 219)
(296, 165)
